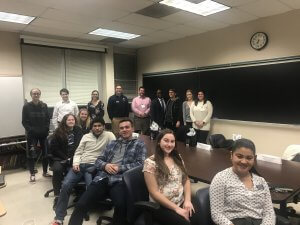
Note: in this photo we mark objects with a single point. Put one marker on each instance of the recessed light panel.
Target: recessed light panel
(203, 8)
(15, 18)
(114, 34)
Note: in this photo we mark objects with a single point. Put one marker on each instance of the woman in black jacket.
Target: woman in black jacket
(66, 139)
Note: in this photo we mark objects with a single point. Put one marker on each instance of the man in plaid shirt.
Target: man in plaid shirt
(119, 156)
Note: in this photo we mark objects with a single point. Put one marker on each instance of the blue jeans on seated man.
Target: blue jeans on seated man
(71, 179)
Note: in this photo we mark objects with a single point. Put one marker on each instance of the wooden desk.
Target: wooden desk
(203, 165)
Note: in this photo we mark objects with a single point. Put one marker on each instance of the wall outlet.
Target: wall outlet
(236, 136)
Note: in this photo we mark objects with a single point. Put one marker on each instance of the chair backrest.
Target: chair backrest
(290, 152)
(202, 207)
(136, 190)
(47, 148)
(216, 140)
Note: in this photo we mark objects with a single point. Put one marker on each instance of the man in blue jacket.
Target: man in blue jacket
(119, 156)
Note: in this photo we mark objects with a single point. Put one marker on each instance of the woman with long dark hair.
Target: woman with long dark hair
(201, 112)
(95, 106)
(168, 183)
(66, 139)
(238, 195)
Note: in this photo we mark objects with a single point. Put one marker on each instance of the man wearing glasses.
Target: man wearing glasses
(36, 120)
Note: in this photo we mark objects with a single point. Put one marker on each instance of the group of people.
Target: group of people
(238, 194)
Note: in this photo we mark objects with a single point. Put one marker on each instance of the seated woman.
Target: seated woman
(66, 139)
(238, 195)
(84, 120)
(167, 181)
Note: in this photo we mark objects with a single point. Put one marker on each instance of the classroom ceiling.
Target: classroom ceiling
(74, 19)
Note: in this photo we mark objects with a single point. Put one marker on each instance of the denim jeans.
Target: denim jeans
(71, 179)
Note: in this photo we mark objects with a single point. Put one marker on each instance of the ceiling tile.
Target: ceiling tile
(163, 35)
(54, 24)
(295, 4)
(125, 27)
(181, 17)
(13, 27)
(47, 3)
(206, 24)
(72, 17)
(145, 21)
(234, 2)
(16, 7)
(91, 8)
(52, 31)
(127, 5)
(185, 30)
(233, 16)
(265, 8)
(91, 37)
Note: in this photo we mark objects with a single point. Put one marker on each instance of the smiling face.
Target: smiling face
(200, 96)
(167, 143)
(64, 96)
(35, 95)
(142, 92)
(70, 122)
(118, 90)
(95, 95)
(243, 159)
(189, 95)
(83, 115)
(126, 129)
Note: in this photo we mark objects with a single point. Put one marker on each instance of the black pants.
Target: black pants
(99, 191)
(202, 136)
(59, 171)
(33, 141)
(171, 126)
(167, 216)
(246, 221)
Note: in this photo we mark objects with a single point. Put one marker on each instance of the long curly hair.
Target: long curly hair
(62, 130)
(163, 171)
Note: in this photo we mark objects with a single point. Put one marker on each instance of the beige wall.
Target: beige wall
(231, 45)
(10, 54)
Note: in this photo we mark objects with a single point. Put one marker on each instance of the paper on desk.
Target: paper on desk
(204, 146)
(269, 158)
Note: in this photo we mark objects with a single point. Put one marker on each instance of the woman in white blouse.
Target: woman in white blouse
(168, 182)
(238, 195)
(201, 112)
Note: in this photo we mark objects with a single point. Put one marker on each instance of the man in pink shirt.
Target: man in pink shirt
(141, 108)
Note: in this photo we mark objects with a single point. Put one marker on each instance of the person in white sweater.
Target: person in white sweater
(90, 147)
(201, 111)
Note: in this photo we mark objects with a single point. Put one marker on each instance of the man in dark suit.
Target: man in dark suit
(158, 109)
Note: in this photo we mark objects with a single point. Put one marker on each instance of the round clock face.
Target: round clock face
(259, 40)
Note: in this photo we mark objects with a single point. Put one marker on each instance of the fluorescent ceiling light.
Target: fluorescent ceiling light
(114, 34)
(204, 8)
(15, 18)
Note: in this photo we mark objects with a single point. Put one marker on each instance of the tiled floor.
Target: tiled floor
(26, 204)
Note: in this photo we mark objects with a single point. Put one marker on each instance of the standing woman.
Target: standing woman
(95, 106)
(238, 195)
(186, 106)
(201, 112)
(168, 183)
(66, 139)
(84, 120)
